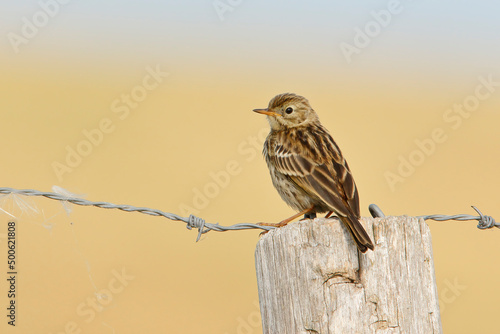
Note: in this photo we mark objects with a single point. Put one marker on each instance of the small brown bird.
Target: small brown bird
(307, 167)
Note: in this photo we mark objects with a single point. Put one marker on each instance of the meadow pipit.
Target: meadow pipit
(307, 167)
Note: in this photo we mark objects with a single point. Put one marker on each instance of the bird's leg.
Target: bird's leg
(329, 214)
(286, 221)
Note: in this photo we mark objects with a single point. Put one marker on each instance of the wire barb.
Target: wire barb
(485, 222)
(198, 223)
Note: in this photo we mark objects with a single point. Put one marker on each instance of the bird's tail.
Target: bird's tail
(358, 232)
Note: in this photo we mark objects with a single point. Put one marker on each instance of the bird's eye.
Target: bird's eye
(289, 110)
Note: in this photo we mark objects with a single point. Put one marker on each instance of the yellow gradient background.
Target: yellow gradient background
(199, 120)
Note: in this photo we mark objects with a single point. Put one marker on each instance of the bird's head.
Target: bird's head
(288, 111)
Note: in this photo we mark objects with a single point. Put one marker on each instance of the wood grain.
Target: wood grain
(312, 279)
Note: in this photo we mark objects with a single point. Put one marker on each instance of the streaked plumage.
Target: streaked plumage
(307, 167)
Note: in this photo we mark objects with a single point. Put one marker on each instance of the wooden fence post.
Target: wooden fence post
(312, 279)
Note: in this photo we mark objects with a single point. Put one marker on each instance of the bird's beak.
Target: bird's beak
(266, 112)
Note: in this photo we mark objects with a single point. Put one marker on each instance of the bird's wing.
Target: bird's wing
(326, 176)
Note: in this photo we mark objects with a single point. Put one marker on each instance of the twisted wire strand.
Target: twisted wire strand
(484, 222)
(191, 221)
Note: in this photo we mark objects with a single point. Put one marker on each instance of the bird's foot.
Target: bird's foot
(280, 224)
(267, 224)
(263, 232)
(306, 213)
(277, 225)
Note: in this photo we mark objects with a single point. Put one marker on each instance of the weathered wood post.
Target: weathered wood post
(312, 279)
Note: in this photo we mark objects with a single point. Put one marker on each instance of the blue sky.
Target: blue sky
(444, 35)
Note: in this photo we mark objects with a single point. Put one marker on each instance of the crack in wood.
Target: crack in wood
(349, 280)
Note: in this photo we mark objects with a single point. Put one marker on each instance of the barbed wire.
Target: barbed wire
(485, 222)
(191, 221)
